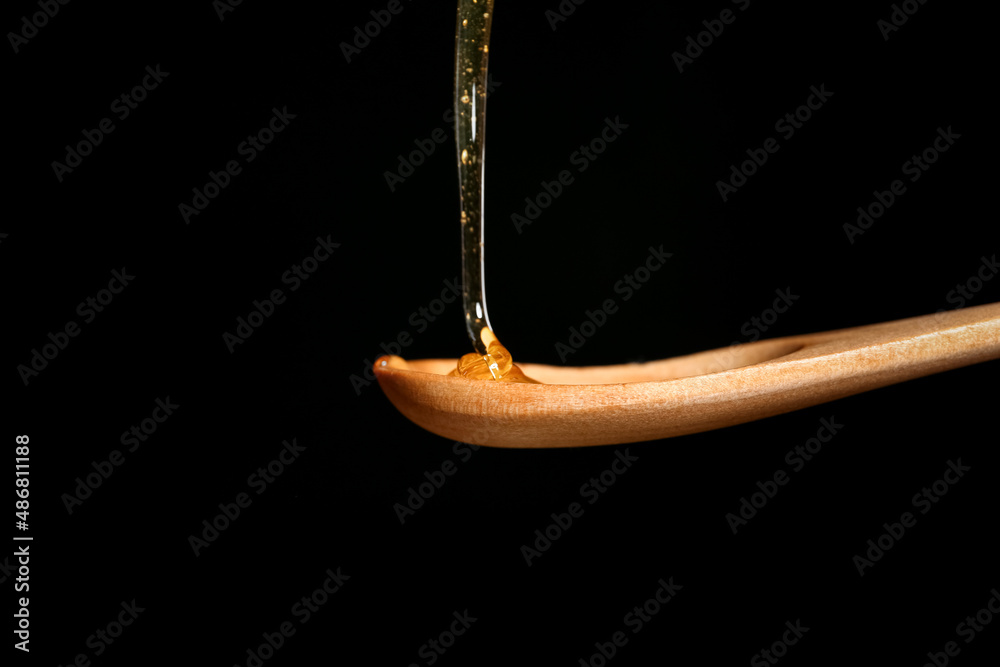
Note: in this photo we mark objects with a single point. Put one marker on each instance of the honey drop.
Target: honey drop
(496, 365)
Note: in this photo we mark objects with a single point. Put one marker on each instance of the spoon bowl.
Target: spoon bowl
(601, 405)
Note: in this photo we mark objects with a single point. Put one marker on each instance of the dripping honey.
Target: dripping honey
(491, 360)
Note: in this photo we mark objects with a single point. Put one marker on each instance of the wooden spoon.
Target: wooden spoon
(600, 405)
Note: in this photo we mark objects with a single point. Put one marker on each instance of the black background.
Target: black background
(325, 176)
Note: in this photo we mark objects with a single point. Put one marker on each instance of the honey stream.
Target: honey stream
(491, 360)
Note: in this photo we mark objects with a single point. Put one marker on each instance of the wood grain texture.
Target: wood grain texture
(600, 405)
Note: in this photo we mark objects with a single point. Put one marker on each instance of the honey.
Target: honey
(497, 364)
(491, 360)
